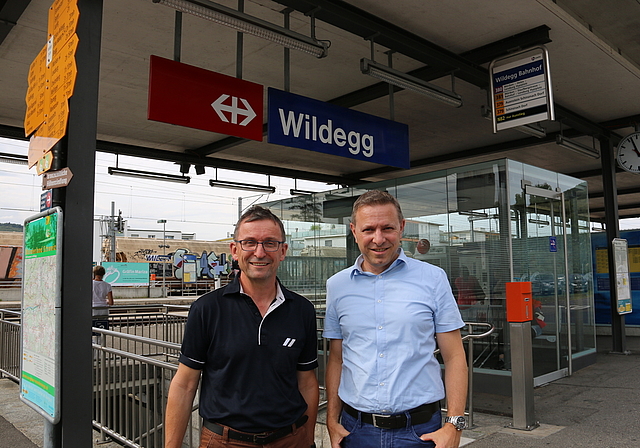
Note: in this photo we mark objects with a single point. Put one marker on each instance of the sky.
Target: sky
(196, 207)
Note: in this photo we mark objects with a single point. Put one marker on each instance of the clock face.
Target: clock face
(629, 153)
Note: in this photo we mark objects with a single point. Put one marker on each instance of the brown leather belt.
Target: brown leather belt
(421, 414)
(259, 439)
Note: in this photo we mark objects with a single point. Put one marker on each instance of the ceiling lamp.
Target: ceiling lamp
(577, 147)
(13, 158)
(241, 186)
(249, 25)
(408, 82)
(148, 175)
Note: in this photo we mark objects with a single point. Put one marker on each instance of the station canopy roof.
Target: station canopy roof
(594, 55)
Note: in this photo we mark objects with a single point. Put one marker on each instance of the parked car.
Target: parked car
(577, 283)
(542, 283)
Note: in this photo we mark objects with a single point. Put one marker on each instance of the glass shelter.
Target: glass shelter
(484, 224)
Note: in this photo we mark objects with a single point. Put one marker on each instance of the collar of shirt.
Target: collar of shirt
(356, 269)
(277, 301)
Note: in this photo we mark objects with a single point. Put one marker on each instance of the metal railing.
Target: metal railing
(134, 362)
(130, 388)
(10, 339)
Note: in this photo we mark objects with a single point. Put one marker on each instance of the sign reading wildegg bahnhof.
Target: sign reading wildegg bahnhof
(521, 89)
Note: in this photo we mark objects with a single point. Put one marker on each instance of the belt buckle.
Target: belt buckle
(261, 439)
(382, 418)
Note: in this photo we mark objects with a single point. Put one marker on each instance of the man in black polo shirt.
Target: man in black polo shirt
(255, 344)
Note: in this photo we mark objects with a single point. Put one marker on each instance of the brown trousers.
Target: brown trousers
(297, 439)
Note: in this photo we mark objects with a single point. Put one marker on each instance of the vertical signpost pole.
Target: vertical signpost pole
(76, 200)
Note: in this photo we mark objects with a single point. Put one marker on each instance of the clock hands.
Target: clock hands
(635, 148)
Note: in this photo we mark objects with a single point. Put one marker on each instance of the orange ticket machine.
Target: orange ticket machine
(519, 302)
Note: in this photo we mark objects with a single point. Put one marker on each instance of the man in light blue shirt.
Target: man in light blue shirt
(384, 313)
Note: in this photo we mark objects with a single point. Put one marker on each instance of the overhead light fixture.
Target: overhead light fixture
(542, 222)
(241, 186)
(249, 25)
(577, 147)
(480, 215)
(532, 129)
(408, 82)
(13, 158)
(114, 170)
(296, 192)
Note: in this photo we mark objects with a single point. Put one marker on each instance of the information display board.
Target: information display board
(623, 283)
(521, 89)
(41, 318)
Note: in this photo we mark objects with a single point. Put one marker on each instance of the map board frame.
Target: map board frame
(41, 313)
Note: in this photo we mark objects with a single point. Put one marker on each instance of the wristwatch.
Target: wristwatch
(459, 421)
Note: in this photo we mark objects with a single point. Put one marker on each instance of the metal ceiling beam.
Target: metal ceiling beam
(10, 12)
(480, 55)
(359, 22)
(169, 156)
(624, 192)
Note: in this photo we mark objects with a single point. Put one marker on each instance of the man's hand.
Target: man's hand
(336, 434)
(446, 437)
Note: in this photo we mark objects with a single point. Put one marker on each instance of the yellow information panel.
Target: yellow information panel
(602, 262)
(52, 77)
(36, 92)
(63, 20)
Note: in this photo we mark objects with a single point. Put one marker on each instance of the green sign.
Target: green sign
(41, 291)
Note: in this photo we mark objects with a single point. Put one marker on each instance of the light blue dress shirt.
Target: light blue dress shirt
(387, 324)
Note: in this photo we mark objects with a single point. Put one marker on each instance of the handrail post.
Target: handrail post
(470, 375)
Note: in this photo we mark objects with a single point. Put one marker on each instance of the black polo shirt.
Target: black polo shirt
(250, 363)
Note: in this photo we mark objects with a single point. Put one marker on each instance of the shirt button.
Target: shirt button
(382, 355)
(380, 327)
(379, 301)
(382, 384)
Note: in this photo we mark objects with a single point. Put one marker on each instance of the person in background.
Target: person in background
(384, 315)
(102, 300)
(102, 293)
(255, 345)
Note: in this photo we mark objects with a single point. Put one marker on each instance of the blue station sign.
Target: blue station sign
(300, 122)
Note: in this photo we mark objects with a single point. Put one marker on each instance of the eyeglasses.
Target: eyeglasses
(268, 246)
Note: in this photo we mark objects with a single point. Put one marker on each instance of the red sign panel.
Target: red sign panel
(197, 98)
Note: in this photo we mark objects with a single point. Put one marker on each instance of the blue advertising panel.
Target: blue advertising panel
(601, 283)
(300, 122)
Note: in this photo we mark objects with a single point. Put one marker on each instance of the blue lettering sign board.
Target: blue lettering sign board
(300, 122)
(553, 244)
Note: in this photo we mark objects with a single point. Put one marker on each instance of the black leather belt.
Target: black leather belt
(259, 439)
(421, 414)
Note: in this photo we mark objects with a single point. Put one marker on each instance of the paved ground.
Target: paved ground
(598, 406)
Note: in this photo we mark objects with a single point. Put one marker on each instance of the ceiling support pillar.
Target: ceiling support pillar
(613, 231)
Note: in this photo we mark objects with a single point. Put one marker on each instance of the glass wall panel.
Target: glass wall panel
(485, 225)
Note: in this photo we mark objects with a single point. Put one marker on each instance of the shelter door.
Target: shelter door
(546, 245)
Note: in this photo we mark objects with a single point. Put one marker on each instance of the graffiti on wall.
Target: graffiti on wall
(207, 265)
(10, 263)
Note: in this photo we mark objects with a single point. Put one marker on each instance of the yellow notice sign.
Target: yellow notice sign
(36, 93)
(63, 68)
(63, 20)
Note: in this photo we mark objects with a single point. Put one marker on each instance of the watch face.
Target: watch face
(629, 153)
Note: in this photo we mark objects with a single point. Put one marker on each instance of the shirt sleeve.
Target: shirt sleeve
(193, 352)
(331, 322)
(309, 356)
(447, 313)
